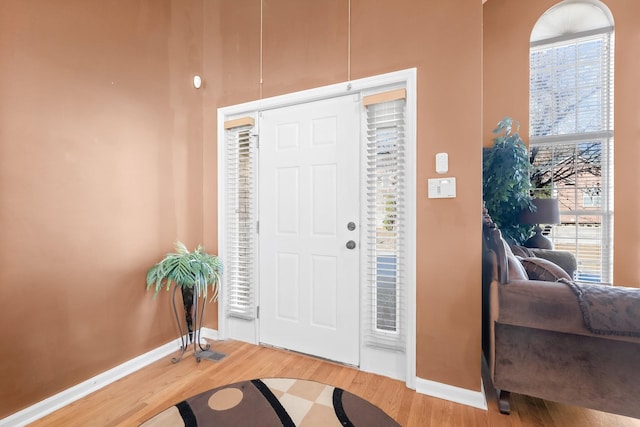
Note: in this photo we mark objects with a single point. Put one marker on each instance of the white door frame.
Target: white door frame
(247, 331)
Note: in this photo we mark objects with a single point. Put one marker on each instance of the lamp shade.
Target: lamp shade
(547, 212)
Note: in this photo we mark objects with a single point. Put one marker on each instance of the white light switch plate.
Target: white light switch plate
(442, 188)
(442, 163)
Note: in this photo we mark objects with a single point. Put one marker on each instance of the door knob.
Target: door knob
(351, 244)
(351, 226)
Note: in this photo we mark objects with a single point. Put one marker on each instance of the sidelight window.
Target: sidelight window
(241, 218)
(385, 205)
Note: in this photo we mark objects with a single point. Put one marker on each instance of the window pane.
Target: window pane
(385, 203)
(240, 214)
(572, 172)
(582, 235)
(568, 83)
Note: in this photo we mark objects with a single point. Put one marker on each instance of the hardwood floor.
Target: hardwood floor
(142, 394)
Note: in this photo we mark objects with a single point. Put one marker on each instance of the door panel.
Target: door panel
(309, 191)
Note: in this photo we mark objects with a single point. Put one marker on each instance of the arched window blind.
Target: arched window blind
(384, 186)
(241, 218)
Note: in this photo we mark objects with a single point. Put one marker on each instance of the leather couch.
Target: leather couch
(548, 337)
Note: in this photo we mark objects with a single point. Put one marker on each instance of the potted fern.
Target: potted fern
(197, 274)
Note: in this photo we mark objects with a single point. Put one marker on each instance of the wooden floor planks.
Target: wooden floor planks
(142, 394)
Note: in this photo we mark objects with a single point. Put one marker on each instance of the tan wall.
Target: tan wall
(100, 171)
(444, 41)
(507, 27)
(98, 178)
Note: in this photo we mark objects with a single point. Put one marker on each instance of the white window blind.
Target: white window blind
(571, 88)
(571, 144)
(241, 222)
(384, 184)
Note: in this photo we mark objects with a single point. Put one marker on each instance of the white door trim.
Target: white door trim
(248, 331)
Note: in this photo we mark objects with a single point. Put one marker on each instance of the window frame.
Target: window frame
(559, 138)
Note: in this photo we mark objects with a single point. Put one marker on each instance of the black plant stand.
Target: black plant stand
(192, 319)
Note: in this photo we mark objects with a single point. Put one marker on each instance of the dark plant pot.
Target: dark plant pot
(187, 300)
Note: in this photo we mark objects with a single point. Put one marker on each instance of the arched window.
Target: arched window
(571, 129)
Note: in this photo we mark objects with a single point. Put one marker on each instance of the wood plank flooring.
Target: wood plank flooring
(142, 394)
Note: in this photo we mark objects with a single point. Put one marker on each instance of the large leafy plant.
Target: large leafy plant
(505, 180)
(195, 270)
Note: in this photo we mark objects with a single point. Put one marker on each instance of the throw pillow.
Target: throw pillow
(521, 251)
(542, 269)
(516, 269)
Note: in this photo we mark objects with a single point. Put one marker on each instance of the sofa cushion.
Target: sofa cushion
(542, 269)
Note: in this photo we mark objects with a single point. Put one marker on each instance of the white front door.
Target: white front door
(309, 193)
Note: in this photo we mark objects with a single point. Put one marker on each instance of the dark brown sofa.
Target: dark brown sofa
(555, 340)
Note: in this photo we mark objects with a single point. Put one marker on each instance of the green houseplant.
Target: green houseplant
(194, 273)
(505, 181)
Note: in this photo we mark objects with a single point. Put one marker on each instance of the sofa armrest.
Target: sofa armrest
(550, 306)
(540, 305)
(564, 259)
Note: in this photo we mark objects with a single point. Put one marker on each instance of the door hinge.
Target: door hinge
(257, 312)
(257, 227)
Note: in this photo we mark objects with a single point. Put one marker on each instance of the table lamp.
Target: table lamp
(547, 212)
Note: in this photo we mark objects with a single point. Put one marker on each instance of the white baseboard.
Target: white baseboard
(209, 333)
(70, 395)
(476, 399)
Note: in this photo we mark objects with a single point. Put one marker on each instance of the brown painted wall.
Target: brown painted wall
(507, 27)
(100, 171)
(305, 44)
(444, 41)
(108, 155)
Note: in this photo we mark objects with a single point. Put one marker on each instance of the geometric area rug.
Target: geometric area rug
(273, 402)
